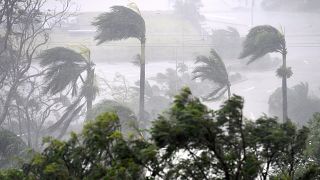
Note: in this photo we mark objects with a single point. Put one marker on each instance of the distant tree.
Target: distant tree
(64, 70)
(12, 147)
(189, 9)
(127, 118)
(265, 39)
(302, 104)
(213, 69)
(123, 23)
(227, 42)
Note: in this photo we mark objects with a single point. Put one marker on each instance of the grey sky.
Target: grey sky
(103, 5)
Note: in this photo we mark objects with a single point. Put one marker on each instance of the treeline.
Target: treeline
(189, 141)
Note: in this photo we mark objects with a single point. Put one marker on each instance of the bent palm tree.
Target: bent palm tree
(123, 23)
(213, 69)
(65, 68)
(265, 39)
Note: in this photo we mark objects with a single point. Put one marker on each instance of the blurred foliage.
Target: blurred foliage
(212, 68)
(127, 117)
(262, 40)
(301, 104)
(227, 42)
(12, 148)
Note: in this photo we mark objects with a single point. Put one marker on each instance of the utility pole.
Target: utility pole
(252, 12)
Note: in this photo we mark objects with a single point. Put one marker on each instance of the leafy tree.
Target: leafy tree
(227, 42)
(302, 104)
(214, 141)
(99, 152)
(313, 148)
(64, 69)
(213, 69)
(123, 23)
(189, 9)
(199, 143)
(265, 39)
(127, 117)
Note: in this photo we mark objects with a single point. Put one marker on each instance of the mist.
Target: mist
(169, 89)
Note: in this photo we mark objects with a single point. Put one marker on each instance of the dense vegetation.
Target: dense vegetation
(189, 141)
(145, 130)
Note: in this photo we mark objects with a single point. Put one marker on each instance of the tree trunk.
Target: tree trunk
(284, 89)
(142, 80)
(7, 103)
(90, 94)
(229, 91)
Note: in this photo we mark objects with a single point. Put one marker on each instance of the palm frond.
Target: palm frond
(64, 67)
(262, 40)
(118, 24)
(66, 115)
(212, 69)
(216, 94)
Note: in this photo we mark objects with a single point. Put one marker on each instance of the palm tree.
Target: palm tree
(123, 23)
(265, 39)
(213, 69)
(64, 70)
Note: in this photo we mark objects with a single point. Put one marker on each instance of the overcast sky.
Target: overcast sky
(103, 5)
(147, 5)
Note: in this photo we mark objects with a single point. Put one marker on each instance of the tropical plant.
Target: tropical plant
(213, 69)
(65, 68)
(265, 39)
(123, 23)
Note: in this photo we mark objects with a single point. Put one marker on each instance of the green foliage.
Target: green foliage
(118, 24)
(313, 148)
(189, 141)
(99, 152)
(213, 69)
(262, 40)
(199, 143)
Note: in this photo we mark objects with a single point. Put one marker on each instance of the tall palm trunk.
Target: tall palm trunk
(142, 80)
(284, 88)
(229, 90)
(89, 96)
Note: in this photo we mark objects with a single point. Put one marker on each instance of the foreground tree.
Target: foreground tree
(213, 69)
(265, 39)
(123, 23)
